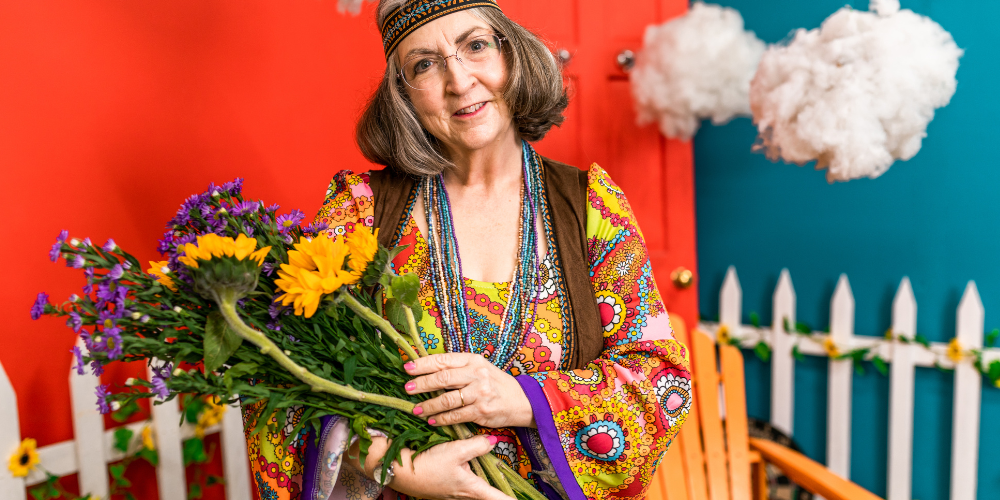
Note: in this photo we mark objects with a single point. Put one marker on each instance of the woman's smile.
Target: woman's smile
(471, 111)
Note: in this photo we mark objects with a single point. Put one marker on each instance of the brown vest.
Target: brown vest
(566, 190)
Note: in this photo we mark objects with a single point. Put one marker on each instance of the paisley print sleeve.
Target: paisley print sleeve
(277, 470)
(603, 429)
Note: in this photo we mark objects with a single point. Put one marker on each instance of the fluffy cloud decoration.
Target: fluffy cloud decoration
(857, 93)
(695, 67)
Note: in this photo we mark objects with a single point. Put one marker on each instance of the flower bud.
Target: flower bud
(136, 315)
(223, 211)
(115, 406)
(287, 352)
(215, 194)
(144, 318)
(75, 242)
(178, 371)
(178, 310)
(129, 382)
(74, 298)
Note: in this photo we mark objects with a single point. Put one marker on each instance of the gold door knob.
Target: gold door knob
(682, 277)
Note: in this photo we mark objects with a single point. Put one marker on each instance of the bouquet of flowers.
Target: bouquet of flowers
(251, 304)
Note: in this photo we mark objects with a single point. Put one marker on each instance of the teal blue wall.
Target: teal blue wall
(933, 218)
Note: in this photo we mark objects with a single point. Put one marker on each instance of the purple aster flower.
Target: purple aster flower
(105, 315)
(38, 309)
(274, 326)
(287, 221)
(248, 231)
(127, 265)
(288, 239)
(315, 229)
(110, 246)
(74, 321)
(267, 268)
(113, 339)
(62, 236)
(160, 376)
(116, 272)
(78, 262)
(166, 243)
(103, 393)
(144, 318)
(106, 291)
(245, 207)
(89, 287)
(273, 208)
(275, 310)
(56, 249)
(86, 242)
(96, 368)
(79, 359)
(235, 187)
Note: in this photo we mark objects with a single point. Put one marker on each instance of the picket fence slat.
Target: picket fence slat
(88, 431)
(10, 438)
(838, 455)
(903, 357)
(170, 480)
(234, 449)
(901, 381)
(968, 391)
(783, 365)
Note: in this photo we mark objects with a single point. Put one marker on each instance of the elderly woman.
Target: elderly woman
(541, 308)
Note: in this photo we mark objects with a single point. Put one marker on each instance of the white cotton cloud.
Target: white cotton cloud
(695, 67)
(855, 94)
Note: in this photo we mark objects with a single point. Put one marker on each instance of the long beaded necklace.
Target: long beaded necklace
(446, 268)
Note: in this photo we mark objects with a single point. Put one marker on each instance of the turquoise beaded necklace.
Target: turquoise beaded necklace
(446, 268)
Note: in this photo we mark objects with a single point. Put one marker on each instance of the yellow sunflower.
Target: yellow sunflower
(212, 245)
(159, 270)
(362, 245)
(24, 459)
(315, 268)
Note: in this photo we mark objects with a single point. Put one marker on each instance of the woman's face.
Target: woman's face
(467, 111)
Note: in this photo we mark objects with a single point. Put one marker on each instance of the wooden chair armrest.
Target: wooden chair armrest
(808, 473)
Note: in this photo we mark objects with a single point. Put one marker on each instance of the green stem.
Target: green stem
(518, 482)
(378, 322)
(411, 323)
(227, 305)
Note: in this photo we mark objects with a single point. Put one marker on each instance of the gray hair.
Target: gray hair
(389, 131)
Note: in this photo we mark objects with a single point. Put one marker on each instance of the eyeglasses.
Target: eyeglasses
(427, 71)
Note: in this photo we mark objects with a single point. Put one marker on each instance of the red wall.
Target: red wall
(113, 111)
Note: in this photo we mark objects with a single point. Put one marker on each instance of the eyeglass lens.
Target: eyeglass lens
(426, 71)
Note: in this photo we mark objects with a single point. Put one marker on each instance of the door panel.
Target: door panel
(656, 174)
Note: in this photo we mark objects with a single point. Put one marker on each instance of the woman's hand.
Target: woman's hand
(440, 473)
(477, 392)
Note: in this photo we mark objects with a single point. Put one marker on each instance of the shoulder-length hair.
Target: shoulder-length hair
(389, 132)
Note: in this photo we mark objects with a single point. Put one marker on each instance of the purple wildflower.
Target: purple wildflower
(105, 315)
(245, 207)
(74, 321)
(62, 236)
(160, 376)
(116, 272)
(89, 287)
(248, 231)
(166, 243)
(267, 268)
(96, 368)
(275, 310)
(38, 309)
(315, 229)
(103, 393)
(274, 326)
(110, 246)
(287, 221)
(86, 242)
(114, 341)
(78, 262)
(288, 239)
(79, 359)
(126, 265)
(56, 249)
(106, 291)
(273, 208)
(235, 187)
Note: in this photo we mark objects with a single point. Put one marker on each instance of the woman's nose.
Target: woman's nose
(458, 78)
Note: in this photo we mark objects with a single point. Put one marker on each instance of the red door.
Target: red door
(655, 173)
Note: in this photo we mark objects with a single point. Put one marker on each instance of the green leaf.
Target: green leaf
(194, 490)
(123, 436)
(220, 342)
(192, 407)
(239, 371)
(149, 456)
(396, 315)
(127, 410)
(991, 338)
(754, 319)
(194, 451)
(360, 426)
(350, 366)
(762, 350)
(797, 354)
(994, 371)
(880, 365)
(801, 327)
(405, 288)
(212, 479)
(785, 324)
(129, 496)
(920, 339)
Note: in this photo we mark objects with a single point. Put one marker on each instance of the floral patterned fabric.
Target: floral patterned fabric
(600, 430)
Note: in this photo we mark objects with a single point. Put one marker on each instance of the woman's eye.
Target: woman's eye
(478, 45)
(422, 66)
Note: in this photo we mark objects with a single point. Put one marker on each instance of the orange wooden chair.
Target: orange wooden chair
(715, 459)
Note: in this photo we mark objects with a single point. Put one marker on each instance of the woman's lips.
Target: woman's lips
(471, 111)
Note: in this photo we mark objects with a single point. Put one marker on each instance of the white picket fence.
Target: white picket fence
(93, 447)
(902, 357)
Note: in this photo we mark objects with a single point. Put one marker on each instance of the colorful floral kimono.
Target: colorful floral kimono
(601, 431)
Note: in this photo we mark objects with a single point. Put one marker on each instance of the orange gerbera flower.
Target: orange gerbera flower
(160, 270)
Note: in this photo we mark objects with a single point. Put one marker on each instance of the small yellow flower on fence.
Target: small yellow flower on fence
(955, 353)
(147, 438)
(209, 416)
(159, 270)
(722, 336)
(830, 347)
(24, 459)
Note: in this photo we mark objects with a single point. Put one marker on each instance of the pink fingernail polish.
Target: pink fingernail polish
(493, 440)
(432, 421)
(418, 410)
(411, 386)
(409, 365)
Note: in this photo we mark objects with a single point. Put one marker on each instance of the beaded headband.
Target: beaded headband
(407, 18)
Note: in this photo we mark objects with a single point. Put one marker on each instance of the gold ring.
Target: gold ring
(461, 397)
